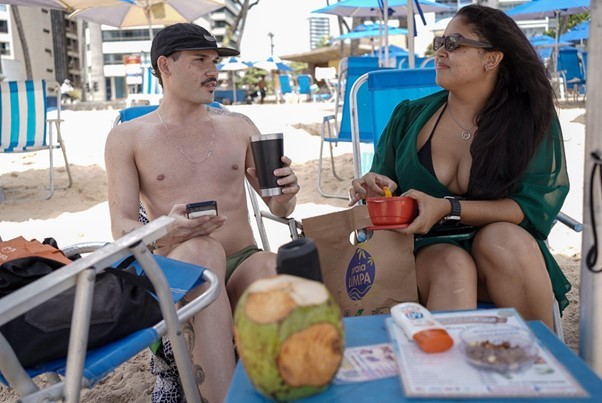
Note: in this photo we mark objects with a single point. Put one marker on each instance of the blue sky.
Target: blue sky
(287, 20)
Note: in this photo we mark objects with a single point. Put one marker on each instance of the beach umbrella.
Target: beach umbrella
(539, 9)
(272, 63)
(544, 45)
(578, 33)
(370, 31)
(55, 4)
(395, 51)
(395, 8)
(373, 8)
(233, 64)
(549, 9)
(138, 13)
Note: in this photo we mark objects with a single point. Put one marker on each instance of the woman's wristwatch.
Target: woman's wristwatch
(456, 210)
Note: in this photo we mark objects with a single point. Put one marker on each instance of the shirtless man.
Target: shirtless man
(188, 152)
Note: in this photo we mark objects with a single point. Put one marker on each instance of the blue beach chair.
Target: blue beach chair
(304, 81)
(286, 86)
(25, 125)
(81, 368)
(571, 65)
(337, 128)
(385, 89)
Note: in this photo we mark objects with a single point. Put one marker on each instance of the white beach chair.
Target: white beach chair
(25, 125)
(83, 368)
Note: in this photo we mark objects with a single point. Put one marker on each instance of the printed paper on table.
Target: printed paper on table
(366, 363)
(448, 375)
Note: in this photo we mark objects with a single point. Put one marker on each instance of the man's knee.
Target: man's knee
(261, 264)
(257, 266)
(202, 251)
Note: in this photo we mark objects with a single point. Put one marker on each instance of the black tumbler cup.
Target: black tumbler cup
(268, 150)
(299, 258)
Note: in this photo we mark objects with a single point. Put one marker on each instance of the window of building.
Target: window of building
(4, 48)
(114, 58)
(2, 7)
(4, 26)
(127, 35)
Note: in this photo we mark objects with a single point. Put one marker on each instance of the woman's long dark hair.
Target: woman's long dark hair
(518, 114)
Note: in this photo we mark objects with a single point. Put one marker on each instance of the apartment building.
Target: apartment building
(105, 62)
(529, 27)
(52, 44)
(124, 54)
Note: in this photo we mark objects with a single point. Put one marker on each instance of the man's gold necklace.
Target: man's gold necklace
(466, 133)
(180, 149)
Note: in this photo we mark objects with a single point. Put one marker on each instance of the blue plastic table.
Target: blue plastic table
(368, 330)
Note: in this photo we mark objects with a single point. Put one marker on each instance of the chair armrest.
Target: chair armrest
(569, 222)
(295, 226)
(186, 312)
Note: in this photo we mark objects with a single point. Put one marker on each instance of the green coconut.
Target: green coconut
(289, 335)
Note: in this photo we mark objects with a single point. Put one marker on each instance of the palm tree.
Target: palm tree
(26, 58)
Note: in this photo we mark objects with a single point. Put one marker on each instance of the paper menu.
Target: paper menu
(448, 375)
(366, 363)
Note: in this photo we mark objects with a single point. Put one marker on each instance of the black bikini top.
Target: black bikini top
(425, 155)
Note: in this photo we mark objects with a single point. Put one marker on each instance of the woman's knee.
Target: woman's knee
(505, 246)
(444, 262)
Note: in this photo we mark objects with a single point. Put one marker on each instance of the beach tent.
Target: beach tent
(233, 64)
(549, 8)
(370, 31)
(395, 9)
(579, 32)
(544, 45)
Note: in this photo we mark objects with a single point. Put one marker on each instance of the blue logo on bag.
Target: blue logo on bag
(360, 274)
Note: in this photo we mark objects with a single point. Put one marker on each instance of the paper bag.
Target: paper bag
(367, 278)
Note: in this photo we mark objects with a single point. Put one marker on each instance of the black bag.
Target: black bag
(121, 305)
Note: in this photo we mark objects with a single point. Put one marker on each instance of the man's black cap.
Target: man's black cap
(185, 36)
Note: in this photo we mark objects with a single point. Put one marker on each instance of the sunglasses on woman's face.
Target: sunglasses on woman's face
(453, 41)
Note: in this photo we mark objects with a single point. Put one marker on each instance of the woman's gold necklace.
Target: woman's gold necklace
(182, 151)
(466, 133)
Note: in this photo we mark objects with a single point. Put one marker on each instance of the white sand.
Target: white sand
(81, 214)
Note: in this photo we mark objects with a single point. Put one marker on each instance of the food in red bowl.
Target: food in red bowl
(397, 210)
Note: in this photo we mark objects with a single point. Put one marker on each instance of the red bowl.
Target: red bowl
(392, 210)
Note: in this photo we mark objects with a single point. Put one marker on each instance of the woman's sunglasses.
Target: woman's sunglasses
(453, 41)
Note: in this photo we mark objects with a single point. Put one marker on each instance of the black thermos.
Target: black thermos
(299, 258)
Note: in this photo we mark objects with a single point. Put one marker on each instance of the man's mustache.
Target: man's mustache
(210, 79)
